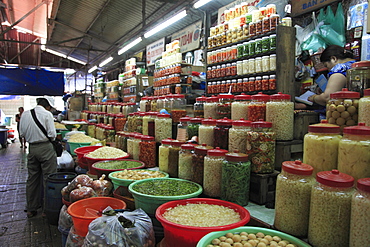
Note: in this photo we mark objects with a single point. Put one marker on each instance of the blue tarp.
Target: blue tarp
(31, 82)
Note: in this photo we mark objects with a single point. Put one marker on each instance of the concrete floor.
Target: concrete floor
(16, 230)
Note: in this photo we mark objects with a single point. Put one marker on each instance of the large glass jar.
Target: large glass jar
(238, 135)
(173, 158)
(213, 172)
(210, 107)
(136, 146)
(280, 111)
(193, 128)
(178, 106)
(119, 122)
(160, 103)
(206, 132)
(163, 127)
(359, 77)
(153, 104)
(354, 151)
(148, 151)
(292, 199)
(221, 133)
(360, 214)
(224, 106)
(182, 129)
(261, 147)
(342, 108)
(235, 178)
(143, 103)
(185, 161)
(239, 108)
(163, 154)
(363, 108)
(330, 209)
(146, 118)
(91, 129)
(257, 107)
(151, 123)
(199, 107)
(200, 152)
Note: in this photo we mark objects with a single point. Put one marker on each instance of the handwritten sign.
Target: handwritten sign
(154, 50)
(300, 7)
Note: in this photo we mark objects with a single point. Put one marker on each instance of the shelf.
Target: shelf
(240, 76)
(269, 92)
(243, 58)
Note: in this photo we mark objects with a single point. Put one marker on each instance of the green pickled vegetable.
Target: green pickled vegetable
(158, 187)
(119, 164)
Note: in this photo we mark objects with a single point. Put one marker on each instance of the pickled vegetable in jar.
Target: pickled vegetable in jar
(224, 106)
(185, 161)
(280, 111)
(193, 128)
(213, 172)
(91, 129)
(130, 144)
(292, 199)
(321, 146)
(238, 135)
(342, 108)
(163, 154)
(360, 214)
(163, 127)
(354, 151)
(173, 158)
(239, 108)
(261, 147)
(257, 107)
(206, 131)
(199, 107)
(330, 207)
(221, 133)
(119, 122)
(136, 147)
(235, 178)
(148, 151)
(182, 129)
(210, 107)
(364, 108)
(200, 152)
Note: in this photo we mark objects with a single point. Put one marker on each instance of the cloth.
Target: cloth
(341, 68)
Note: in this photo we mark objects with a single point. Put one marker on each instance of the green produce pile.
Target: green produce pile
(119, 164)
(166, 187)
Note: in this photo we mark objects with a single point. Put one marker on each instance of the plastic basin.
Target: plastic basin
(188, 236)
(74, 145)
(125, 163)
(80, 211)
(206, 240)
(150, 203)
(126, 182)
(80, 152)
(91, 161)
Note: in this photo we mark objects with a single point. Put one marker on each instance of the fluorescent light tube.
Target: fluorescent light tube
(55, 53)
(200, 3)
(92, 69)
(105, 61)
(165, 24)
(129, 46)
(76, 60)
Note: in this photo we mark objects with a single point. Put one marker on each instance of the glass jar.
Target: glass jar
(280, 111)
(257, 107)
(153, 104)
(239, 108)
(210, 107)
(206, 131)
(238, 135)
(118, 140)
(119, 122)
(193, 128)
(136, 146)
(160, 102)
(213, 172)
(173, 158)
(359, 77)
(235, 178)
(131, 107)
(261, 147)
(245, 67)
(321, 146)
(330, 209)
(99, 132)
(239, 67)
(125, 136)
(273, 62)
(240, 50)
(167, 103)
(143, 103)
(251, 66)
(147, 153)
(178, 106)
(272, 82)
(163, 127)
(360, 217)
(354, 151)
(272, 42)
(110, 133)
(199, 107)
(274, 21)
(185, 161)
(163, 153)
(265, 44)
(258, 65)
(223, 108)
(221, 133)
(258, 46)
(139, 122)
(148, 105)
(182, 129)
(200, 152)
(265, 65)
(363, 108)
(91, 129)
(342, 108)
(252, 48)
(151, 123)
(293, 184)
(245, 49)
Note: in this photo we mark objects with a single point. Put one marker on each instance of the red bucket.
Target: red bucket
(81, 151)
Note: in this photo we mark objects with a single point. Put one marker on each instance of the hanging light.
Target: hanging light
(92, 69)
(165, 24)
(129, 46)
(200, 3)
(106, 61)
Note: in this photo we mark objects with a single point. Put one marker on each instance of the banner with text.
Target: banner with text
(221, 16)
(153, 51)
(189, 37)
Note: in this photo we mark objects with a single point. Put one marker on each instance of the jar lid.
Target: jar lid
(91, 123)
(334, 178)
(235, 156)
(177, 143)
(261, 124)
(131, 114)
(324, 127)
(147, 138)
(161, 97)
(242, 122)
(142, 114)
(364, 184)
(120, 115)
(367, 92)
(108, 127)
(132, 103)
(144, 98)
(178, 96)
(209, 121)
(224, 121)
(280, 95)
(200, 98)
(361, 64)
(202, 149)
(225, 96)
(196, 120)
(164, 115)
(212, 99)
(360, 129)
(217, 152)
(185, 119)
(261, 97)
(153, 113)
(345, 94)
(297, 167)
(243, 96)
(187, 146)
(167, 141)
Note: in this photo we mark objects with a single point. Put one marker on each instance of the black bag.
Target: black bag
(58, 146)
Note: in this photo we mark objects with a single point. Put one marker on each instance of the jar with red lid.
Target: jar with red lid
(91, 129)
(257, 107)
(136, 146)
(160, 103)
(199, 107)
(206, 131)
(354, 151)
(182, 129)
(109, 133)
(163, 153)
(210, 107)
(153, 104)
(360, 217)
(162, 127)
(239, 108)
(359, 76)
(235, 178)
(321, 146)
(178, 107)
(363, 108)
(330, 209)
(238, 135)
(213, 171)
(221, 133)
(224, 106)
(261, 147)
(342, 108)
(142, 103)
(119, 122)
(173, 158)
(193, 128)
(147, 153)
(200, 152)
(185, 161)
(293, 184)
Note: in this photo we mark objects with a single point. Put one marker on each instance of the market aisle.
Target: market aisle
(16, 229)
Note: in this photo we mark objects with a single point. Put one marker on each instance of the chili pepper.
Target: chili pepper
(256, 112)
(148, 153)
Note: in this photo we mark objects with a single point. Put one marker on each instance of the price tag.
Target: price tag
(145, 81)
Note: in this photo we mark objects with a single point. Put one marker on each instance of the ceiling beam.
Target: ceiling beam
(53, 14)
(67, 40)
(24, 49)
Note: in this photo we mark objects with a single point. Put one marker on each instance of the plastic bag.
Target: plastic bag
(313, 44)
(108, 231)
(330, 36)
(82, 192)
(329, 16)
(73, 239)
(65, 220)
(102, 187)
(81, 179)
(65, 161)
(338, 24)
(356, 15)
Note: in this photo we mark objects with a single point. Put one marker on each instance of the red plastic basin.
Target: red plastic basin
(81, 151)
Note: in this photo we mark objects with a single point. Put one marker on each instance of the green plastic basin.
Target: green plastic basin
(117, 182)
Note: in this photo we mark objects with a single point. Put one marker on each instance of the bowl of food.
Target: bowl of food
(108, 166)
(126, 177)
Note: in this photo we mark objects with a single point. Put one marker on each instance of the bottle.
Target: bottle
(213, 171)
(185, 161)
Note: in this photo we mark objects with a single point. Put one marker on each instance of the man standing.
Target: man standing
(41, 159)
(18, 120)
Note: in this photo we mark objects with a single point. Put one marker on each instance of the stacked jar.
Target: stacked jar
(163, 154)
(221, 133)
(193, 128)
(210, 107)
(363, 108)
(200, 152)
(293, 184)
(119, 122)
(153, 104)
(330, 207)
(206, 131)
(213, 171)
(91, 129)
(142, 104)
(147, 151)
(178, 107)
(173, 158)
(257, 107)
(199, 107)
(238, 135)
(185, 161)
(135, 146)
(163, 127)
(182, 129)
(239, 108)
(235, 178)
(109, 133)
(280, 111)
(223, 108)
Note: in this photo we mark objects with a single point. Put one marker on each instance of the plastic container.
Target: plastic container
(321, 146)
(200, 152)
(99, 170)
(199, 107)
(185, 161)
(82, 211)
(193, 127)
(163, 127)
(148, 151)
(354, 151)
(91, 161)
(239, 108)
(163, 152)
(238, 135)
(74, 145)
(206, 131)
(363, 108)
(80, 155)
(221, 133)
(182, 129)
(178, 107)
(330, 207)
(293, 184)
(210, 107)
(173, 158)
(185, 236)
(257, 107)
(213, 171)
(126, 182)
(223, 108)
(359, 77)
